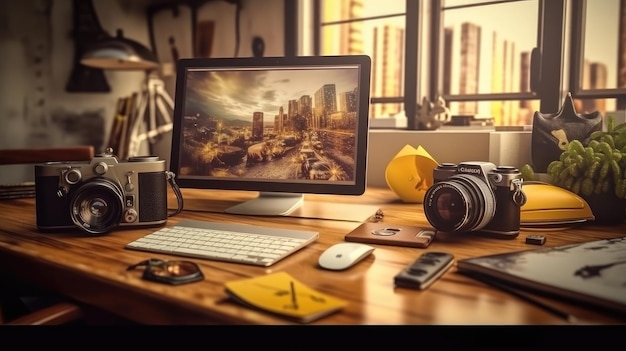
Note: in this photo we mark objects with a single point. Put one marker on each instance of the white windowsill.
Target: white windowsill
(511, 148)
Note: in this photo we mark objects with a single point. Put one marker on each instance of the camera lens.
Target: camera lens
(96, 206)
(460, 203)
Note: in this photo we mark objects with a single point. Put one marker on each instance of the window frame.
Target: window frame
(437, 15)
(548, 64)
(577, 28)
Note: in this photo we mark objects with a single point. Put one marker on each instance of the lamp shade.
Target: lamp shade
(119, 53)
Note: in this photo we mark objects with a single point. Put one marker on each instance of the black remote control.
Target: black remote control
(424, 271)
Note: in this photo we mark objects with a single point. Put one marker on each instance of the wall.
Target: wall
(37, 48)
(501, 148)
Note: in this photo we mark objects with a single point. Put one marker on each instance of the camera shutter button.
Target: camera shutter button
(100, 168)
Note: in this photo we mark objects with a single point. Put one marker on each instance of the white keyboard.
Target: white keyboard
(239, 243)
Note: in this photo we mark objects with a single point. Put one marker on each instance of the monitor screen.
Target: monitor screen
(281, 126)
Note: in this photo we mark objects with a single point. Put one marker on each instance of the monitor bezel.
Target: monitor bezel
(287, 186)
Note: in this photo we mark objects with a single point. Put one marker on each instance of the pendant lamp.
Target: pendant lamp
(119, 53)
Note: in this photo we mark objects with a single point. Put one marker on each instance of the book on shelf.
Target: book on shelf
(593, 272)
(119, 137)
(281, 294)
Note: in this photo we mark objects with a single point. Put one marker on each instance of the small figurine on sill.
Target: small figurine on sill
(431, 116)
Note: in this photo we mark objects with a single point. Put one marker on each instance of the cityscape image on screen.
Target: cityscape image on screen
(270, 124)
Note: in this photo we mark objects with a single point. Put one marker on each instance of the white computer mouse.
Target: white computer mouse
(344, 255)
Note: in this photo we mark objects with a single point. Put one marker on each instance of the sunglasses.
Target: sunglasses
(169, 272)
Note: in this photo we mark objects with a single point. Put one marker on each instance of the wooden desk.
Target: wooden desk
(92, 270)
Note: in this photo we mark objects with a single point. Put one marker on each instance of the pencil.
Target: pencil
(294, 300)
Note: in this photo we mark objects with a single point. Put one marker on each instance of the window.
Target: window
(494, 60)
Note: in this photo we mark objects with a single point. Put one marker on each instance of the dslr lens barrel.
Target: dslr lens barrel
(475, 196)
(460, 203)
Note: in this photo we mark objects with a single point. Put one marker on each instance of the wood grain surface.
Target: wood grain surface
(92, 269)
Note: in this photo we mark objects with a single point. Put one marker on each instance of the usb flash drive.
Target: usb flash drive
(535, 239)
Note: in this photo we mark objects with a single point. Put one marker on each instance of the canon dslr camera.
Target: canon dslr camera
(102, 194)
(475, 197)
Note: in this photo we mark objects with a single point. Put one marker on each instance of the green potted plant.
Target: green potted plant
(596, 171)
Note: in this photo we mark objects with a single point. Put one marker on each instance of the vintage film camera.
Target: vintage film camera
(475, 197)
(102, 194)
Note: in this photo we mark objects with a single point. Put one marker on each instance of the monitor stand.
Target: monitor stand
(268, 204)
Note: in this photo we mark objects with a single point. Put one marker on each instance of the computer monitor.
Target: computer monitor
(280, 126)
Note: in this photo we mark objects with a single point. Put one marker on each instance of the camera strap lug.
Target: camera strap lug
(171, 178)
(519, 197)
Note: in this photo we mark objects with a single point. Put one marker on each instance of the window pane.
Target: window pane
(486, 49)
(604, 106)
(341, 10)
(357, 36)
(509, 113)
(381, 39)
(604, 51)
(454, 3)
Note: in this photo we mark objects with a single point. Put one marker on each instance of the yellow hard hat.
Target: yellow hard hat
(410, 173)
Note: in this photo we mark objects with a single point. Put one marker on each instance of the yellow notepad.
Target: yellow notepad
(281, 294)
